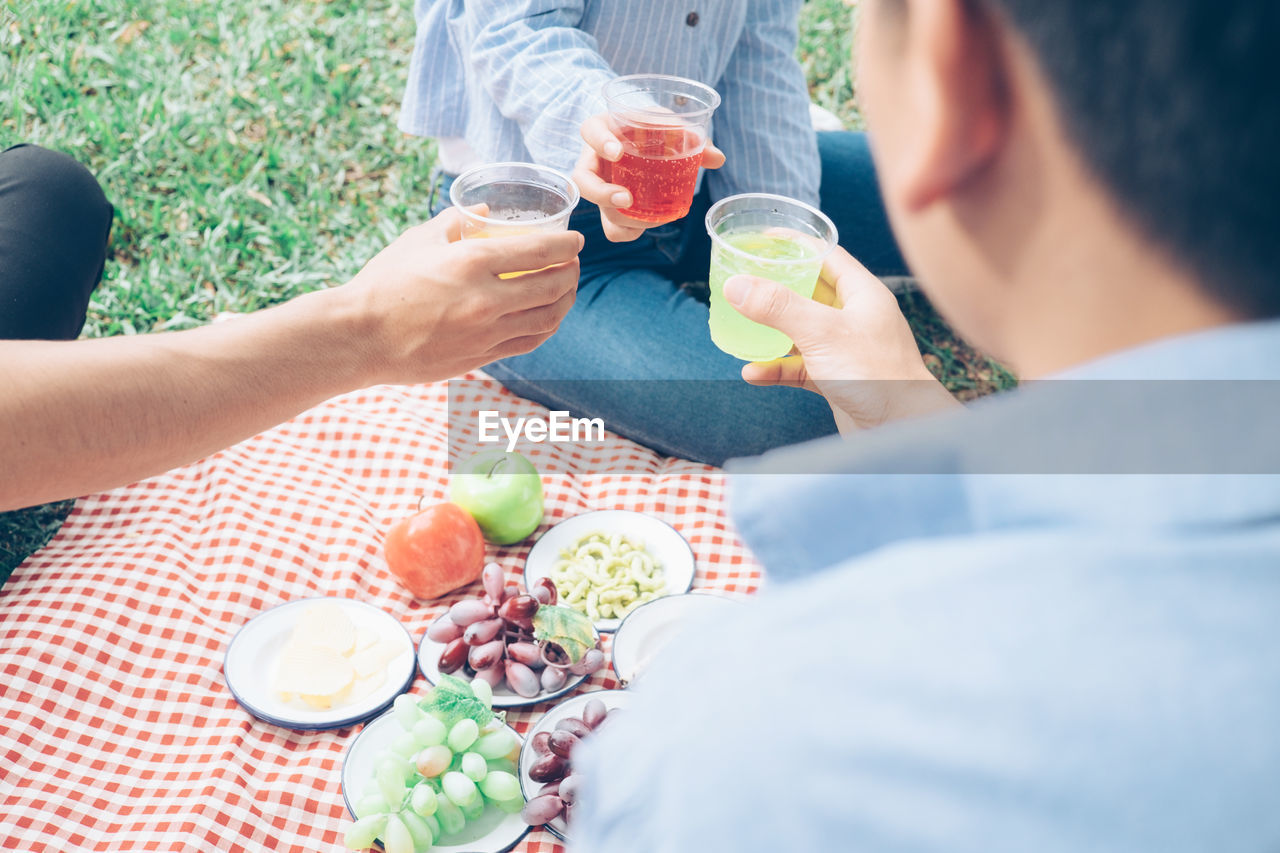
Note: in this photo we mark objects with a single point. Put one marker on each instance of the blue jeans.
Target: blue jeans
(635, 349)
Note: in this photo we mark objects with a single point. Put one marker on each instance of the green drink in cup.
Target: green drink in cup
(767, 236)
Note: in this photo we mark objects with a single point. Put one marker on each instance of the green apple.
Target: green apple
(503, 493)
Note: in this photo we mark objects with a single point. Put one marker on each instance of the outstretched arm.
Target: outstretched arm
(81, 416)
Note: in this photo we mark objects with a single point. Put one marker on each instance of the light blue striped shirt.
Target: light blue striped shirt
(516, 79)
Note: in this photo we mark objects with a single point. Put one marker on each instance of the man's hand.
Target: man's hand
(859, 353)
(603, 147)
(435, 307)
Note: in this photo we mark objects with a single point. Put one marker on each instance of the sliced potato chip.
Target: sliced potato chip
(374, 658)
(362, 687)
(365, 638)
(313, 671)
(326, 625)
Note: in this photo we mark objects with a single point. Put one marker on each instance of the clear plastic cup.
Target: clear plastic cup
(521, 198)
(663, 123)
(767, 236)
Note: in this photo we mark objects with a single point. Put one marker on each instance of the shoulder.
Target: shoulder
(1012, 693)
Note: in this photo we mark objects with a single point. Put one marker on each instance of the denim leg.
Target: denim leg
(635, 351)
(851, 197)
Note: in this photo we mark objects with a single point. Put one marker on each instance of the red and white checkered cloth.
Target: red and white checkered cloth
(118, 731)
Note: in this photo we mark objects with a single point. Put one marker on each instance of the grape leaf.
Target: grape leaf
(566, 627)
(453, 700)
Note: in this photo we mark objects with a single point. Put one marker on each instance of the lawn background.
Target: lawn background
(250, 149)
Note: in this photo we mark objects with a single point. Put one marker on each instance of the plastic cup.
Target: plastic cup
(767, 236)
(521, 198)
(663, 123)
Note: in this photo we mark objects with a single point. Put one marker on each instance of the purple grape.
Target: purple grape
(470, 610)
(541, 810)
(562, 743)
(522, 680)
(542, 743)
(594, 712)
(553, 678)
(483, 657)
(494, 582)
(592, 661)
(548, 768)
(549, 788)
(510, 591)
(519, 611)
(453, 657)
(569, 787)
(479, 633)
(525, 653)
(444, 630)
(573, 725)
(495, 674)
(545, 591)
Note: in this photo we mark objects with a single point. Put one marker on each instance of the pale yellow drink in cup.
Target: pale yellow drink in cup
(521, 199)
(766, 236)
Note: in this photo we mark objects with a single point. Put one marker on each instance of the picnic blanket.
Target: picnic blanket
(118, 730)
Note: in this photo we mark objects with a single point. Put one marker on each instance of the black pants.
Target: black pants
(54, 223)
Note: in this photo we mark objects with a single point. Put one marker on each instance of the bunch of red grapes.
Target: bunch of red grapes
(491, 638)
(554, 765)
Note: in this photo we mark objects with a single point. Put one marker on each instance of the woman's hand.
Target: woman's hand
(859, 353)
(603, 147)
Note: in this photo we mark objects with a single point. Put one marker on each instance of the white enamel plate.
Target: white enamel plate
(568, 708)
(494, 832)
(253, 656)
(662, 541)
(650, 627)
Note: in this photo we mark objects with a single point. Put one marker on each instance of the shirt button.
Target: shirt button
(692, 19)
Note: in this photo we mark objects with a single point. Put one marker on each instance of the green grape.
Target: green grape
(434, 760)
(473, 766)
(496, 744)
(424, 799)
(371, 804)
(405, 745)
(503, 765)
(364, 832)
(473, 810)
(390, 783)
(463, 734)
(429, 731)
(402, 765)
(500, 786)
(407, 711)
(450, 816)
(455, 766)
(511, 806)
(483, 691)
(459, 788)
(419, 830)
(432, 824)
(396, 837)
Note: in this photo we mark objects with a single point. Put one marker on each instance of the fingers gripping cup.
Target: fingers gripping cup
(520, 198)
(663, 123)
(767, 236)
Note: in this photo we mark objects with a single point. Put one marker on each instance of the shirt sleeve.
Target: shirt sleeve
(763, 123)
(541, 70)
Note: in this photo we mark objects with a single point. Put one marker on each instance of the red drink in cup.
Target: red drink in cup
(662, 123)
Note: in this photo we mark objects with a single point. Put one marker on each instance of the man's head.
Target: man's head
(1083, 136)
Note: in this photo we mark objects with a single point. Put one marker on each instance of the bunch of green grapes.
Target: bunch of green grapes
(452, 759)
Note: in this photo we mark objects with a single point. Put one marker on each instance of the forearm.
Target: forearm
(82, 416)
(541, 70)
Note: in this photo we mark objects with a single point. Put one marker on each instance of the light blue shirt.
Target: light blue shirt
(986, 660)
(516, 79)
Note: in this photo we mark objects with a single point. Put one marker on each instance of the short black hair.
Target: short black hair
(1175, 107)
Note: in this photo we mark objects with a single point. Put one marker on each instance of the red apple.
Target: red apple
(437, 550)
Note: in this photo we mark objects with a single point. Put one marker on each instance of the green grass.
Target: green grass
(250, 149)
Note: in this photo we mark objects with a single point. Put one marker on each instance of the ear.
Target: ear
(956, 88)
